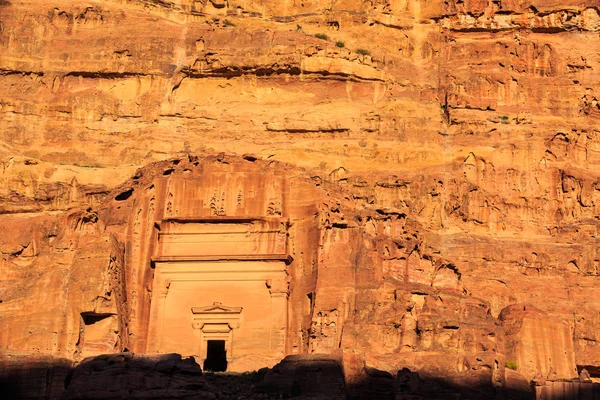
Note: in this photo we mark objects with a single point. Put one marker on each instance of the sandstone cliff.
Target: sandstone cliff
(419, 183)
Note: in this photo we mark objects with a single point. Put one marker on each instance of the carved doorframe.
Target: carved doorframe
(216, 322)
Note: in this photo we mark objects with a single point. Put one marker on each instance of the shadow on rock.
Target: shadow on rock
(125, 375)
(24, 378)
(170, 377)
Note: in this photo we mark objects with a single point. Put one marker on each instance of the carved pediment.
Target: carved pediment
(216, 308)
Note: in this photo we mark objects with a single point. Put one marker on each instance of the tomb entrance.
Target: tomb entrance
(216, 356)
(214, 246)
(221, 282)
(216, 324)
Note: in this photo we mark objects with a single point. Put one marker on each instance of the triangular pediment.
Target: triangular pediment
(217, 308)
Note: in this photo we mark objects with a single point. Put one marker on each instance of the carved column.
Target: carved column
(279, 290)
(157, 313)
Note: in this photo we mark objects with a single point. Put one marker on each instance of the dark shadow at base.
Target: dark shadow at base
(407, 385)
(42, 379)
(118, 376)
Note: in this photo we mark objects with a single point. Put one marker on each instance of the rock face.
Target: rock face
(414, 188)
(539, 345)
(308, 376)
(122, 375)
(33, 378)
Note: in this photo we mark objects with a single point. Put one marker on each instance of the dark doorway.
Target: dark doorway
(216, 356)
(90, 318)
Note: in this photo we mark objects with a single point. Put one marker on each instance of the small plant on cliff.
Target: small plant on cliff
(321, 36)
(228, 23)
(339, 44)
(363, 52)
(511, 365)
(504, 119)
(298, 27)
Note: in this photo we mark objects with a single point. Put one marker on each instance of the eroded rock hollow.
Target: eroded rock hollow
(372, 199)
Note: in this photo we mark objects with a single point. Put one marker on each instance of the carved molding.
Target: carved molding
(216, 308)
(222, 238)
(214, 318)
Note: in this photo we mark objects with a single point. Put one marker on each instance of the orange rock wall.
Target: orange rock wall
(453, 163)
(60, 273)
(538, 345)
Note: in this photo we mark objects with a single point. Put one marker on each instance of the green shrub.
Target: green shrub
(339, 44)
(504, 119)
(321, 36)
(511, 365)
(228, 23)
(363, 52)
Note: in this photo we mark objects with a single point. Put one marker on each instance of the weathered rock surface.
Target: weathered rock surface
(33, 377)
(397, 192)
(539, 345)
(127, 375)
(310, 376)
